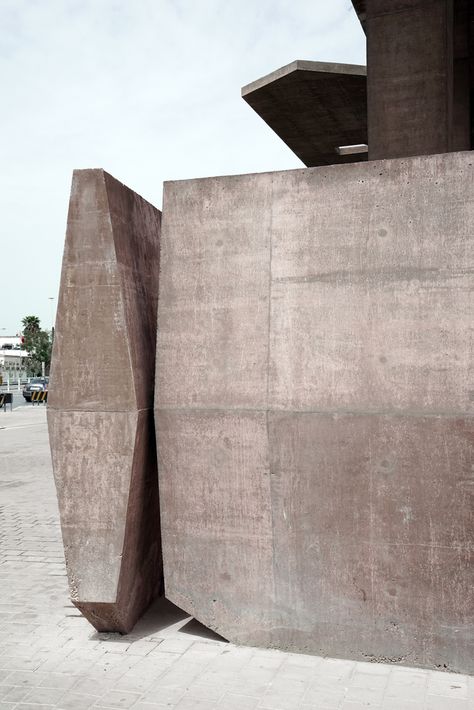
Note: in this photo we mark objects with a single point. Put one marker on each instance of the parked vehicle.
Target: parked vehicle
(36, 384)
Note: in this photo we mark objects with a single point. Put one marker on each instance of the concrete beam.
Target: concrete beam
(100, 401)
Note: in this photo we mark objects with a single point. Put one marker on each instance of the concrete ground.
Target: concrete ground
(51, 658)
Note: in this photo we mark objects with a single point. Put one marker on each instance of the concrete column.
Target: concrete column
(417, 77)
(462, 12)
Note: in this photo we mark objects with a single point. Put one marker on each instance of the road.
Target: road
(18, 399)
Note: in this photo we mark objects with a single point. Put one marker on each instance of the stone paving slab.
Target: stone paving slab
(50, 657)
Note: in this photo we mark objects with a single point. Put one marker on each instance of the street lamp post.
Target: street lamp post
(1, 376)
(51, 299)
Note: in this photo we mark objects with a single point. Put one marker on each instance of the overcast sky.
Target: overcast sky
(149, 90)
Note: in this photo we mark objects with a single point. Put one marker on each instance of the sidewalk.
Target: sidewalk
(50, 657)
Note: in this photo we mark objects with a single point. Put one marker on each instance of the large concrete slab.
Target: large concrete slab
(319, 500)
(99, 410)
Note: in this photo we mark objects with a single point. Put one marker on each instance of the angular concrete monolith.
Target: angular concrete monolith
(100, 401)
(314, 408)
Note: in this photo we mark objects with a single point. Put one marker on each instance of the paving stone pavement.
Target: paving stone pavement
(51, 658)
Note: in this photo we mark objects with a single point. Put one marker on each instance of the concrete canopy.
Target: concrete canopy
(314, 107)
(361, 9)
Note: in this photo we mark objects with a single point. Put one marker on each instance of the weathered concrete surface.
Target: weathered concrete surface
(314, 408)
(314, 107)
(100, 401)
(418, 86)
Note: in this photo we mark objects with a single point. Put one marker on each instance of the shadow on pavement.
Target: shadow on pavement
(163, 618)
(195, 628)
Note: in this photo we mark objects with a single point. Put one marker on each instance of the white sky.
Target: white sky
(149, 90)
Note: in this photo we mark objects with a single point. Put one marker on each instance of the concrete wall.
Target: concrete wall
(314, 408)
(100, 401)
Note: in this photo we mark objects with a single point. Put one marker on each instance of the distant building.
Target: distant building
(10, 342)
(11, 361)
(12, 356)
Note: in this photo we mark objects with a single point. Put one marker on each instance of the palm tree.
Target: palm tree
(37, 343)
(31, 326)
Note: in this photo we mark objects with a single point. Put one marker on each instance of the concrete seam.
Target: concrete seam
(98, 411)
(322, 412)
(267, 410)
(269, 312)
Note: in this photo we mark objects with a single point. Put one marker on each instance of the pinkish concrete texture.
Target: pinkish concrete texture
(314, 408)
(99, 409)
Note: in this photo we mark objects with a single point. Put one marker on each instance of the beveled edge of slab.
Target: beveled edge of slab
(304, 65)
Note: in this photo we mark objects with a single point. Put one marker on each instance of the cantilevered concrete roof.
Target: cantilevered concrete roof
(314, 107)
(360, 8)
